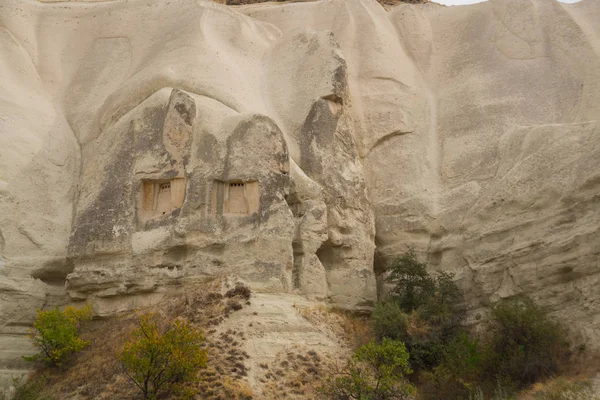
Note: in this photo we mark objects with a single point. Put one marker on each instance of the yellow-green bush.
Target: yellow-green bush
(56, 334)
(162, 357)
(375, 372)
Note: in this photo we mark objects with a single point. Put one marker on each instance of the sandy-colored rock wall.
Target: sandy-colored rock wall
(146, 146)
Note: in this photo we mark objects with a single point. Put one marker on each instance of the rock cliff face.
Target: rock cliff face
(148, 146)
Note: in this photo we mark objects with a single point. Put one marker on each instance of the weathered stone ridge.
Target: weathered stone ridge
(146, 147)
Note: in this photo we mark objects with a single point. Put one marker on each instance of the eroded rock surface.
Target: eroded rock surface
(147, 146)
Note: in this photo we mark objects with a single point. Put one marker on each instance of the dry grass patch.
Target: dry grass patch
(352, 329)
(562, 388)
(295, 374)
(300, 372)
(225, 376)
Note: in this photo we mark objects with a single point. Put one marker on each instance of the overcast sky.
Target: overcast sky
(461, 2)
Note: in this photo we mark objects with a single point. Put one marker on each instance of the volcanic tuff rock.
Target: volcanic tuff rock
(146, 145)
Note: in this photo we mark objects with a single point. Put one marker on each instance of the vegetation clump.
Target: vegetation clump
(377, 371)
(520, 344)
(418, 327)
(240, 290)
(524, 345)
(160, 358)
(56, 334)
(105, 368)
(458, 375)
(423, 311)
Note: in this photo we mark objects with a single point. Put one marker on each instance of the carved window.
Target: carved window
(161, 197)
(236, 198)
(237, 202)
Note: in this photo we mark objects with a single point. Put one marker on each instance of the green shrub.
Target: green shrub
(442, 383)
(162, 357)
(376, 372)
(457, 377)
(426, 351)
(56, 334)
(423, 341)
(462, 356)
(524, 344)
(390, 321)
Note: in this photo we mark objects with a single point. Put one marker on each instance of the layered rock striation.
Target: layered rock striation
(146, 147)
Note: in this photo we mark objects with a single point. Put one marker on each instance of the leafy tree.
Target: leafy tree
(375, 372)
(437, 299)
(162, 357)
(413, 286)
(56, 334)
(423, 311)
(445, 308)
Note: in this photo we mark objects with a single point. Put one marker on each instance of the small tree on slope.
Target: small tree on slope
(160, 359)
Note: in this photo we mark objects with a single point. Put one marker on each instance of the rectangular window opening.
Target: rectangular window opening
(160, 197)
(236, 198)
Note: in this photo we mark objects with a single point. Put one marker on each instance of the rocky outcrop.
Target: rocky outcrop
(147, 147)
